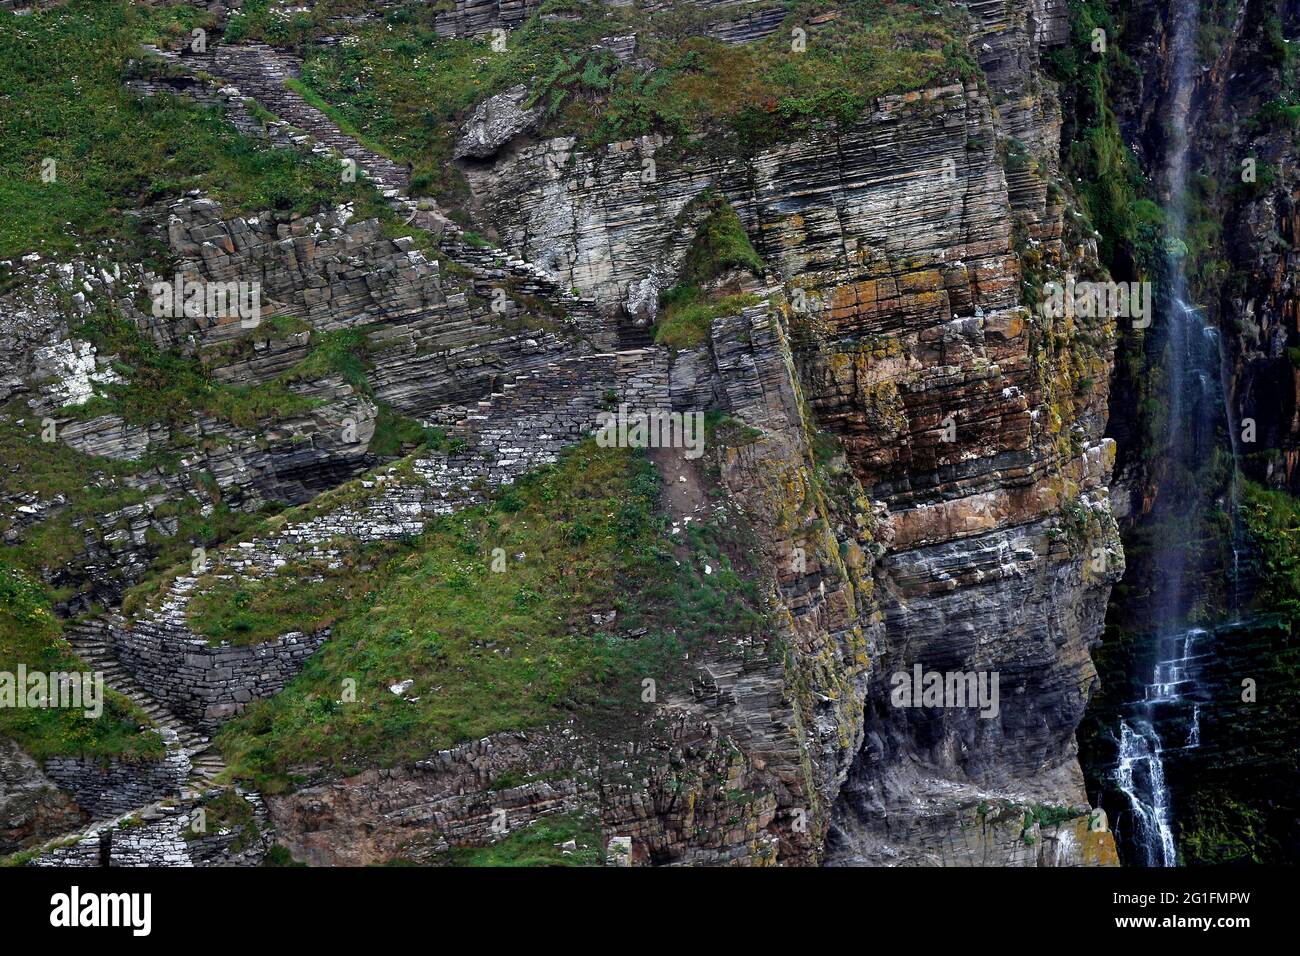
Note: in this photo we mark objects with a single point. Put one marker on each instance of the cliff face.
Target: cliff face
(904, 239)
(913, 448)
(741, 768)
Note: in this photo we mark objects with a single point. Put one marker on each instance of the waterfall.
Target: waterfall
(1140, 766)
(1194, 732)
(1198, 403)
(1140, 774)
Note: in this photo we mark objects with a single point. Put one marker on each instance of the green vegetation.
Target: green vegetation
(164, 386)
(402, 86)
(79, 494)
(1223, 830)
(1282, 111)
(489, 650)
(397, 435)
(269, 20)
(720, 247)
(688, 313)
(62, 89)
(540, 844)
(49, 471)
(225, 810)
(1111, 189)
(31, 635)
(1051, 815)
(280, 856)
(1204, 263)
(1273, 520)
(343, 352)
(300, 596)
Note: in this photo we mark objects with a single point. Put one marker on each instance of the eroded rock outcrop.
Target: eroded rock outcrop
(495, 122)
(975, 420)
(31, 806)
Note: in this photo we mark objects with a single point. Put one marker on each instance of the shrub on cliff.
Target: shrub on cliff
(721, 250)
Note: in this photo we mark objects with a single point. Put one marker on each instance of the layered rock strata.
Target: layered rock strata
(916, 449)
(773, 721)
(974, 420)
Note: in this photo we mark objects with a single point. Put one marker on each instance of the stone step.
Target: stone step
(90, 644)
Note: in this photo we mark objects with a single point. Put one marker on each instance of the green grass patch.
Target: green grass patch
(89, 489)
(720, 247)
(285, 24)
(687, 314)
(344, 352)
(397, 435)
(76, 492)
(224, 810)
(1112, 192)
(489, 651)
(63, 99)
(401, 86)
(164, 386)
(540, 844)
(305, 596)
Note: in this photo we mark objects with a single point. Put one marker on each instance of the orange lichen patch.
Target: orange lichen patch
(1096, 847)
(927, 280)
(1007, 326)
(862, 299)
(976, 514)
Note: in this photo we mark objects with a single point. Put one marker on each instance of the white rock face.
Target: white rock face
(642, 300)
(72, 363)
(495, 122)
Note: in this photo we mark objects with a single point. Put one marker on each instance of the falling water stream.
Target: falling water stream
(1197, 409)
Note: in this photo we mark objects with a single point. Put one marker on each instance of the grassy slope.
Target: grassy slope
(62, 97)
(301, 596)
(405, 88)
(62, 92)
(491, 651)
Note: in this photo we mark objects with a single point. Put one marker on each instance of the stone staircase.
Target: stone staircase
(198, 763)
(520, 426)
(533, 389)
(631, 335)
(260, 72)
(93, 645)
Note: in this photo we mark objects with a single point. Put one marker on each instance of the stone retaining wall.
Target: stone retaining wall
(206, 684)
(158, 838)
(544, 412)
(109, 789)
(523, 427)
